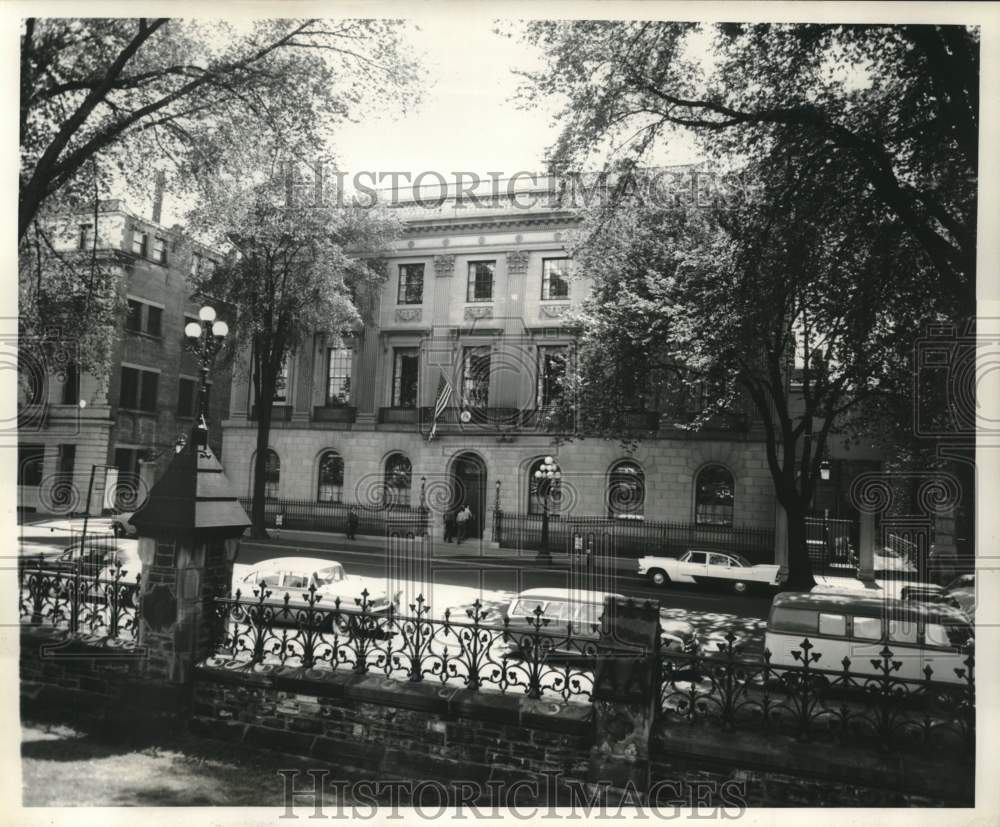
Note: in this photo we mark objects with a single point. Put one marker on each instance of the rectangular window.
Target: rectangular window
(85, 239)
(67, 461)
(139, 242)
(144, 318)
(404, 377)
(480, 287)
(793, 620)
(71, 387)
(29, 464)
(138, 389)
(902, 631)
(186, 397)
(133, 321)
(154, 320)
(835, 625)
(552, 364)
(338, 376)
(555, 283)
(281, 384)
(476, 376)
(411, 284)
(160, 250)
(868, 628)
(127, 460)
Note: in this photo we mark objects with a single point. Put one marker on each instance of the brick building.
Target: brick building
(70, 421)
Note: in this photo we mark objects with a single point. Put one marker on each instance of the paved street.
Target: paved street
(461, 574)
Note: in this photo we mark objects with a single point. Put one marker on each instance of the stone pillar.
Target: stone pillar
(866, 550)
(181, 577)
(188, 540)
(302, 400)
(626, 694)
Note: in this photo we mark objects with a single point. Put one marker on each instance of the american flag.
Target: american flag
(443, 395)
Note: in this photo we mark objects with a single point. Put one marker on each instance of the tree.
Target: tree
(898, 106)
(294, 269)
(104, 98)
(731, 300)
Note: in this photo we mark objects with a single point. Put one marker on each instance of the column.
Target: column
(866, 552)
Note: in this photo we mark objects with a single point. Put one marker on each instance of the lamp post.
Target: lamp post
(547, 477)
(205, 338)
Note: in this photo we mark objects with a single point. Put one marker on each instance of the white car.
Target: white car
(294, 575)
(714, 568)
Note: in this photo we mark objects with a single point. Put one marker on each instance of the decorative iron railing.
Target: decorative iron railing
(373, 519)
(630, 537)
(481, 652)
(94, 605)
(731, 692)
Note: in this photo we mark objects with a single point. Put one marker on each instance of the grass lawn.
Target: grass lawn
(63, 767)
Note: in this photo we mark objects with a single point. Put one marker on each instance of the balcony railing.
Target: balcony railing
(279, 413)
(398, 416)
(631, 537)
(334, 413)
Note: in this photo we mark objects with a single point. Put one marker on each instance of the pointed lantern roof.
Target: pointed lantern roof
(193, 497)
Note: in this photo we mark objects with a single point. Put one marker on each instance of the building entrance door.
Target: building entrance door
(468, 474)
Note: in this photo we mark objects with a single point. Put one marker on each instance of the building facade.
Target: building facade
(72, 422)
(470, 314)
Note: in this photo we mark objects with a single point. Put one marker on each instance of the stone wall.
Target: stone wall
(392, 729)
(372, 728)
(670, 467)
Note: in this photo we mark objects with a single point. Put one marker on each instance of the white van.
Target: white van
(858, 626)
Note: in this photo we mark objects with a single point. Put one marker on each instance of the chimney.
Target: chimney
(161, 180)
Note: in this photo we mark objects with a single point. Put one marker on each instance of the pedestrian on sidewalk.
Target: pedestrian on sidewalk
(449, 525)
(463, 523)
(352, 523)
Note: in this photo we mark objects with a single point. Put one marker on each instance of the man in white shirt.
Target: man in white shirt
(463, 522)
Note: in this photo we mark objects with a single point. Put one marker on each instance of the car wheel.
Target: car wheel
(739, 587)
(659, 577)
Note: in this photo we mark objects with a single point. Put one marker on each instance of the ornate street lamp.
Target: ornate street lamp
(206, 338)
(547, 477)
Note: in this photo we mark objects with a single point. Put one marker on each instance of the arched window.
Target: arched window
(272, 474)
(537, 490)
(626, 490)
(398, 478)
(713, 496)
(331, 478)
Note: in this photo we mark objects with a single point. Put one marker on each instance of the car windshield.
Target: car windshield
(331, 574)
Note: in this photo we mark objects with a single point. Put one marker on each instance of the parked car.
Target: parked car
(890, 559)
(585, 610)
(859, 626)
(86, 558)
(733, 571)
(294, 576)
(960, 593)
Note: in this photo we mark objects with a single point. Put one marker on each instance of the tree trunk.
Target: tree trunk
(800, 575)
(258, 529)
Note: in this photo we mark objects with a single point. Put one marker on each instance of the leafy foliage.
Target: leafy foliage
(293, 269)
(895, 107)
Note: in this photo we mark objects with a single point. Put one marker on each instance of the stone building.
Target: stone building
(71, 422)
(473, 305)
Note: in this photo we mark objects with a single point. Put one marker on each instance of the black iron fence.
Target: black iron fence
(866, 702)
(630, 538)
(481, 651)
(832, 543)
(309, 515)
(98, 604)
